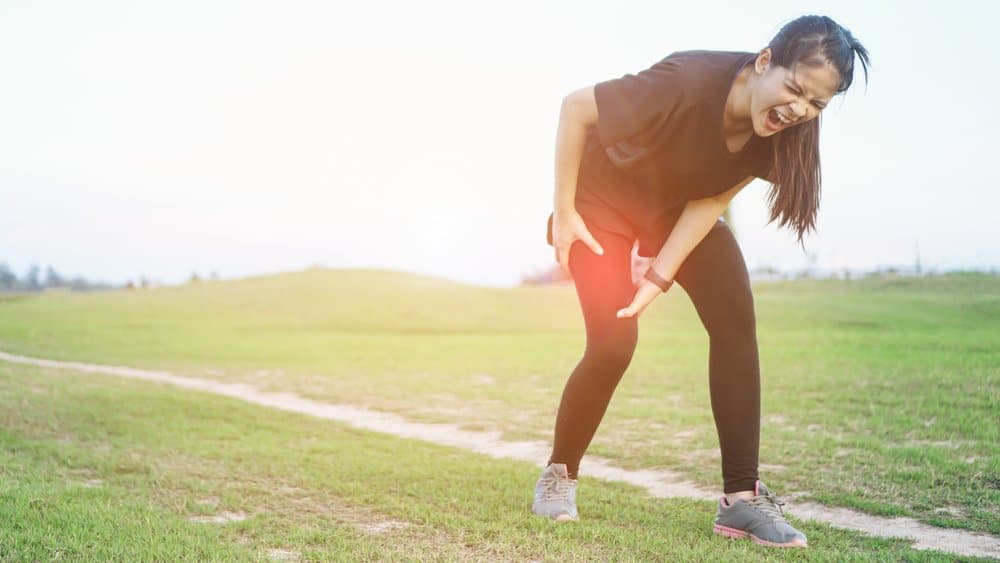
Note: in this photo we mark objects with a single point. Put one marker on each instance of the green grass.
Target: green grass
(95, 468)
(878, 394)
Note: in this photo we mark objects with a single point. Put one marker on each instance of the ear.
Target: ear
(763, 61)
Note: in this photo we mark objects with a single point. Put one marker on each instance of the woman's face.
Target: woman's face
(783, 98)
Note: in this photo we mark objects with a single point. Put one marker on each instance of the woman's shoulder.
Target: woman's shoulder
(709, 57)
(699, 69)
(709, 62)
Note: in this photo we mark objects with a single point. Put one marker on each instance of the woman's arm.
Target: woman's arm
(694, 223)
(577, 112)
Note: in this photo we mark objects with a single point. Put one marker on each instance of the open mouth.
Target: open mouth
(775, 120)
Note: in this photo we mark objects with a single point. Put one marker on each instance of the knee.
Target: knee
(613, 349)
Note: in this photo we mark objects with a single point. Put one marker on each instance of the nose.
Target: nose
(798, 109)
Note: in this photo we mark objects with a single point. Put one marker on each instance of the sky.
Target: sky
(159, 139)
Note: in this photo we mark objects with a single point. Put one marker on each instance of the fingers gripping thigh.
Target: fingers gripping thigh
(603, 282)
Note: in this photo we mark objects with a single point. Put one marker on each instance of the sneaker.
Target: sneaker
(761, 519)
(555, 494)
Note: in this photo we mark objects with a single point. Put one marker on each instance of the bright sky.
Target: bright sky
(161, 138)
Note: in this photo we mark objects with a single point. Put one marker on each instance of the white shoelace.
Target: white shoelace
(770, 505)
(558, 489)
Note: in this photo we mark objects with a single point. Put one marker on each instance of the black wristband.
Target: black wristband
(657, 280)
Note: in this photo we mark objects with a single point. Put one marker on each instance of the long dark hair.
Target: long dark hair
(813, 41)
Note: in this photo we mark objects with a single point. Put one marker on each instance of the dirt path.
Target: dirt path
(659, 483)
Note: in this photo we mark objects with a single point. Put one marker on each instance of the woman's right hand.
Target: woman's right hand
(567, 227)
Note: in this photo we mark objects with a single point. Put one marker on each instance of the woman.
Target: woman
(656, 158)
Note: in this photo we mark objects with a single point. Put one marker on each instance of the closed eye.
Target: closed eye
(798, 92)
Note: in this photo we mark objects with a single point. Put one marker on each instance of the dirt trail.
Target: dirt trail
(659, 483)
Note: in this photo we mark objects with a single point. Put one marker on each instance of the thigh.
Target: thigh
(715, 276)
(603, 282)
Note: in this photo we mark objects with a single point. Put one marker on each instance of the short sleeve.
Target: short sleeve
(631, 107)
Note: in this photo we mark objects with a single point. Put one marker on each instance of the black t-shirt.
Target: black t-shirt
(659, 143)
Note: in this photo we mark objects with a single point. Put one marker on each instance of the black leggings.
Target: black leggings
(715, 277)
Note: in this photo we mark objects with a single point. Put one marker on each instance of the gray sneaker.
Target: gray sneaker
(555, 494)
(761, 519)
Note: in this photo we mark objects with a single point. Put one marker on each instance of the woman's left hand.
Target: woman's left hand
(644, 295)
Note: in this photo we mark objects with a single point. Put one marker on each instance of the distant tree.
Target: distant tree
(53, 279)
(8, 279)
(548, 275)
(78, 283)
(31, 281)
(194, 278)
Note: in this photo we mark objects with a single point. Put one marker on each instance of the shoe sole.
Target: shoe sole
(560, 518)
(739, 534)
(564, 517)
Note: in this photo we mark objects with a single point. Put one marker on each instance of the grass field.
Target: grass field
(99, 468)
(878, 394)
